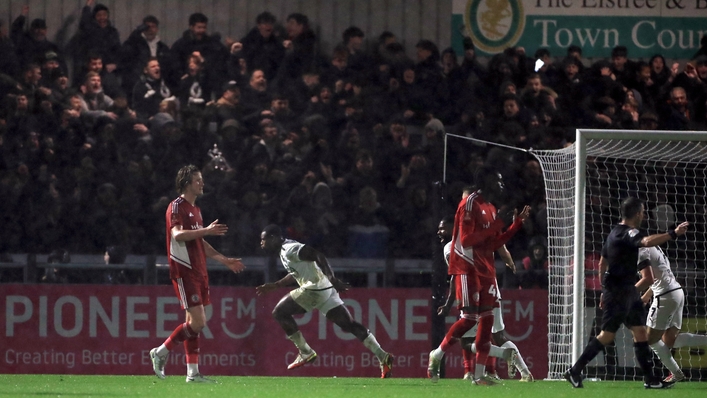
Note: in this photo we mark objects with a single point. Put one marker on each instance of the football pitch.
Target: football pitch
(320, 387)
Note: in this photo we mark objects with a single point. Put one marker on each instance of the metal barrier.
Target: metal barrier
(152, 266)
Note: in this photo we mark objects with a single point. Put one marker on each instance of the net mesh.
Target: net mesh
(670, 177)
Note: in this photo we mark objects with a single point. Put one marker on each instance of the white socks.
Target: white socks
(192, 369)
(372, 344)
(162, 351)
(299, 342)
(494, 351)
(663, 352)
(690, 340)
(437, 354)
(519, 360)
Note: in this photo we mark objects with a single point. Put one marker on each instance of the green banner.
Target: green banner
(494, 25)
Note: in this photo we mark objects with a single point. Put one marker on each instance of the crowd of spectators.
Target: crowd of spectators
(344, 150)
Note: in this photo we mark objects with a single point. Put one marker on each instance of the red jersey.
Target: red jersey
(476, 236)
(186, 259)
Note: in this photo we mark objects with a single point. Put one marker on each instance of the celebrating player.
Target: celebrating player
(318, 288)
(501, 347)
(476, 235)
(620, 299)
(187, 251)
(665, 315)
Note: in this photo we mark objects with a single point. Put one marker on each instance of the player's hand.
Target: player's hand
(511, 266)
(682, 228)
(216, 229)
(601, 301)
(234, 264)
(443, 310)
(265, 289)
(340, 285)
(524, 214)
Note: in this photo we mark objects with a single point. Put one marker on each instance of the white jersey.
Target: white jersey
(664, 278)
(448, 252)
(307, 274)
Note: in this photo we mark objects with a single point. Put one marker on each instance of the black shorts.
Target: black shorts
(622, 307)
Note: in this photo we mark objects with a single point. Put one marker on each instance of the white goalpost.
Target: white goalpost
(584, 185)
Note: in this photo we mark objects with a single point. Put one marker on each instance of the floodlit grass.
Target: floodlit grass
(277, 387)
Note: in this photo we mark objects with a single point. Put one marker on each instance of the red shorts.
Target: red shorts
(488, 293)
(191, 292)
(476, 291)
(467, 290)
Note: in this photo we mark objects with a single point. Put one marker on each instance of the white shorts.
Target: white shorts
(323, 300)
(498, 324)
(666, 311)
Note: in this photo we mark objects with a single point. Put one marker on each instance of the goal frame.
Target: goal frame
(582, 136)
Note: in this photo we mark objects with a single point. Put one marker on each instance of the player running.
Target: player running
(318, 288)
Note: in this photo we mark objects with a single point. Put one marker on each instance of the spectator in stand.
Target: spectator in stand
(621, 67)
(31, 45)
(338, 72)
(194, 89)
(428, 74)
(510, 127)
(96, 35)
(196, 41)
(95, 103)
(228, 106)
(679, 114)
(109, 80)
(10, 62)
(703, 47)
(358, 60)
(536, 96)
(255, 95)
(301, 50)
(262, 47)
(150, 90)
(143, 44)
(692, 79)
(535, 265)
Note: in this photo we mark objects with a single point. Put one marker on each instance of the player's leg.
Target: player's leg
(196, 318)
(488, 300)
(292, 304)
(189, 297)
(469, 355)
(500, 339)
(635, 321)
(466, 288)
(341, 316)
(663, 315)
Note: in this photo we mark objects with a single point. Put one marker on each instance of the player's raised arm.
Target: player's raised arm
(659, 239)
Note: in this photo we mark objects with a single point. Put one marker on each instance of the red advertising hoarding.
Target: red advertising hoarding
(93, 329)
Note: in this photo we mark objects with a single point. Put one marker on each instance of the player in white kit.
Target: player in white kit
(665, 315)
(318, 288)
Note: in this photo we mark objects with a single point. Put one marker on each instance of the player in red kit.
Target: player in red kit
(187, 251)
(477, 234)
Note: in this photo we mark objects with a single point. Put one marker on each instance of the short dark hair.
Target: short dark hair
(542, 52)
(448, 219)
(574, 49)
(630, 207)
(116, 254)
(485, 176)
(619, 51)
(184, 176)
(265, 17)
(196, 18)
(299, 18)
(151, 19)
(363, 154)
(273, 230)
(351, 32)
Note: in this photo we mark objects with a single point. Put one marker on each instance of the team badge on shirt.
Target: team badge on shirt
(195, 298)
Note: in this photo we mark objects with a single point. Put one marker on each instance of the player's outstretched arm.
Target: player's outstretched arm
(507, 258)
(234, 264)
(444, 309)
(269, 287)
(184, 235)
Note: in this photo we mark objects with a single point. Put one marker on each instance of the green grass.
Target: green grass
(293, 387)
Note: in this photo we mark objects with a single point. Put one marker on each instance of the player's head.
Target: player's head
(490, 182)
(632, 210)
(444, 230)
(271, 238)
(189, 180)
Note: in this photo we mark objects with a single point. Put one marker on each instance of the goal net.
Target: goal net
(584, 186)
